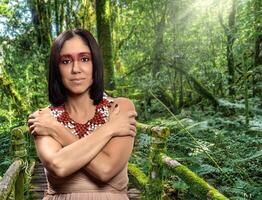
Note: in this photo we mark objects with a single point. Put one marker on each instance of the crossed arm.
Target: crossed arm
(102, 154)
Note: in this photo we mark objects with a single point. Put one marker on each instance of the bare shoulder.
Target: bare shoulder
(42, 109)
(46, 109)
(124, 103)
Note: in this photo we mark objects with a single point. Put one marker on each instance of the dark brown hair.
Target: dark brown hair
(56, 91)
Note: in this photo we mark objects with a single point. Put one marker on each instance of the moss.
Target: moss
(197, 184)
(216, 195)
(140, 176)
(105, 40)
(18, 142)
(10, 178)
(9, 89)
(155, 188)
(155, 131)
(161, 132)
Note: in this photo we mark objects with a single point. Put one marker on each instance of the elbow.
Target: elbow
(57, 169)
(106, 174)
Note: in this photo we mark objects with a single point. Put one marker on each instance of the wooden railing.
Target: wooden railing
(14, 181)
(152, 185)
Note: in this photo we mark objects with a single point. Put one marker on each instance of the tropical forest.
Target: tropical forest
(192, 68)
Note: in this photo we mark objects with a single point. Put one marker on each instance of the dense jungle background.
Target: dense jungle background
(192, 62)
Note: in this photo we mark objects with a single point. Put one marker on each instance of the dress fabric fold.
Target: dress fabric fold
(81, 186)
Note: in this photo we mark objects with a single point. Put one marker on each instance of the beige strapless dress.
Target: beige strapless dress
(82, 186)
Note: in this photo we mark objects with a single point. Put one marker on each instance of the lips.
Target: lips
(77, 80)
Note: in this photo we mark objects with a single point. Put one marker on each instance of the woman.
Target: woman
(84, 139)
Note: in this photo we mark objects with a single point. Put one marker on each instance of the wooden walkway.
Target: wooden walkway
(38, 182)
(39, 185)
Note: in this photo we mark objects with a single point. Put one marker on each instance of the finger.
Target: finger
(34, 115)
(32, 120)
(133, 128)
(133, 121)
(33, 133)
(132, 114)
(34, 126)
(31, 128)
(35, 130)
(132, 133)
(31, 116)
(29, 124)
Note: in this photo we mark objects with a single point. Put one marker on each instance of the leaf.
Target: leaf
(254, 156)
(207, 169)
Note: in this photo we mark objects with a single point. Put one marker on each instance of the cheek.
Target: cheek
(89, 71)
(63, 74)
(62, 71)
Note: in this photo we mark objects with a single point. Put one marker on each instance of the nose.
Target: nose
(76, 67)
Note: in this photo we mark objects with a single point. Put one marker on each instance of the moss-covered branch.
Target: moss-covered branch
(198, 185)
(155, 131)
(138, 177)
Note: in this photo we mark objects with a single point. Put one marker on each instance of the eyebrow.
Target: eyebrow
(81, 53)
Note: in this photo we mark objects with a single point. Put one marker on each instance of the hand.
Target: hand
(122, 124)
(41, 123)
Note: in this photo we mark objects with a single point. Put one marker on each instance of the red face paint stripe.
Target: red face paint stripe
(75, 56)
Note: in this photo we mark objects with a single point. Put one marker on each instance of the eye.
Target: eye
(85, 59)
(65, 61)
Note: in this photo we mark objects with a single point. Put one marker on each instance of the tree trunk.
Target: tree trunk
(41, 16)
(229, 32)
(67, 15)
(158, 47)
(57, 17)
(199, 88)
(62, 17)
(174, 93)
(104, 38)
(257, 77)
(35, 20)
(181, 91)
(86, 15)
(230, 55)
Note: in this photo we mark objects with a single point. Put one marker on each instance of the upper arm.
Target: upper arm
(46, 148)
(120, 148)
(117, 151)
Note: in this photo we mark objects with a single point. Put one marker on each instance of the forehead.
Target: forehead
(74, 45)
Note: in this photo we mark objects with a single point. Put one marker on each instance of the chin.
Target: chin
(78, 91)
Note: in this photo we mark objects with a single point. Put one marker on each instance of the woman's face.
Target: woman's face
(75, 66)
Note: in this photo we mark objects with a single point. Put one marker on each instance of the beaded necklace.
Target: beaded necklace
(82, 130)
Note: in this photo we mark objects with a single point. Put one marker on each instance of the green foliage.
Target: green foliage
(173, 37)
(4, 153)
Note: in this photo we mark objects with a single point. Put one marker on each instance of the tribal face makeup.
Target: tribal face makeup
(73, 57)
(75, 66)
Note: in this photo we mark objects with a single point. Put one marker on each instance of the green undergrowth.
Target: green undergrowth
(5, 161)
(235, 147)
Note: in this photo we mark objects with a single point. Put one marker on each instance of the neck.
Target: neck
(79, 103)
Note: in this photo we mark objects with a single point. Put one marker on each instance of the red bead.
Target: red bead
(82, 129)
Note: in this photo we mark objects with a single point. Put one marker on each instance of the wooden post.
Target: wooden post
(155, 187)
(19, 152)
